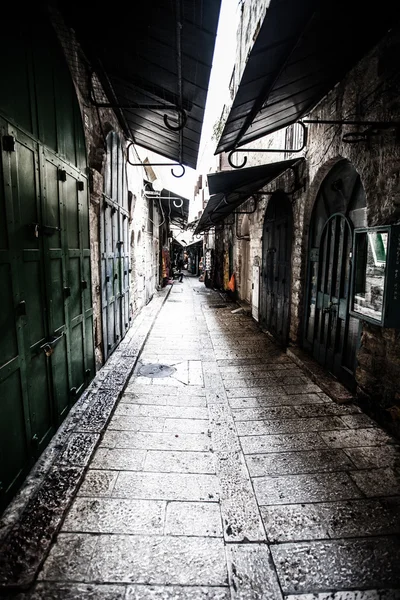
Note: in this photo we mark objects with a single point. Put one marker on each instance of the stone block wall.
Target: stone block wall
(98, 122)
(370, 92)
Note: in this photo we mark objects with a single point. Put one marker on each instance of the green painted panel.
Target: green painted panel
(57, 295)
(13, 446)
(77, 367)
(84, 204)
(89, 349)
(87, 293)
(65, 100)
(72, 213)
(27, 196)
(44, 86)
(3, 218)
(52, 212)
(14, 68)
(74, 282)
(59, 363)
(31, 289)
(8, 337)
(39, 398)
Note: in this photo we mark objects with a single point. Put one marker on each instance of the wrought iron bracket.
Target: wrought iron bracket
(147, 164)
(248, 212)
(355, 137)
(182, 115)
(266, 150)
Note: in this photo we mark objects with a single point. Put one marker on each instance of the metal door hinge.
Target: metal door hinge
(8, 143)
(67, 292)
(87, 372)
(84, 285)
(62, 175)
(80, 185)
(35, 440)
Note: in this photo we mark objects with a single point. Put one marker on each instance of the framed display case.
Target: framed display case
(375, 289)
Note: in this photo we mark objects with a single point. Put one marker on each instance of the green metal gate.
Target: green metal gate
(46, 341)
(114, 240)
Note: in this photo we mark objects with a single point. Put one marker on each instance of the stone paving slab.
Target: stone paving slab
(65, 591)
(377, 482)
(266, 400)
(293, 463)
(177, 412)
(270, 413)
(177, 593)
(202, 519)
(121, 422)
(156, 441)
(352, 518)
(349, 595)
(327, 409)
(161, 390)
(120, 459)
(312, 487)
(179, 462)
(357, 437)
(137, 559)
(300, 425)
(112, 515)
(338, 564)
(251, 573)
(260, 444)
(181, 400)
(166, 486)
(375, 456)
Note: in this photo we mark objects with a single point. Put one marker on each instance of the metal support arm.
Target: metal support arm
(262, 150)
(140, 164)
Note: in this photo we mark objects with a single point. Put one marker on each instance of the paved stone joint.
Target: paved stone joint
(236, 477)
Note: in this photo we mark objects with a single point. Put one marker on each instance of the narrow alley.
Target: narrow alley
(225, 472)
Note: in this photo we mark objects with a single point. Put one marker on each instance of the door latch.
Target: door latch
(329, 308)
(48, 346)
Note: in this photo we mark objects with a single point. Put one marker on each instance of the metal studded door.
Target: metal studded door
(114, 247)
(276, 268)
(332, 292)
(331, 334)
(46, 341)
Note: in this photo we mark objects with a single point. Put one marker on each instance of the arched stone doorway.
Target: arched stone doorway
(276, 267)
(331, 334)
(245, 269)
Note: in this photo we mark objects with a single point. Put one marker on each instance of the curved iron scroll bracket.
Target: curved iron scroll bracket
(147, 164)
(290, 150)
(182, 115)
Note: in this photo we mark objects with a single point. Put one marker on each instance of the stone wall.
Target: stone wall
(370, 92)
(98, 122)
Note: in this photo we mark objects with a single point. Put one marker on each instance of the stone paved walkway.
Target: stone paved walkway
(233, 478)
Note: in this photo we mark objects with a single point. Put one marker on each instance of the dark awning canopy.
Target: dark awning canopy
(302, 50)
(175, 207)
(230, 189)
(156, 53)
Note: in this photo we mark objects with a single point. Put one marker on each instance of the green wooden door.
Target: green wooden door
(46, 341)
(114, 236)
(46, 352)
